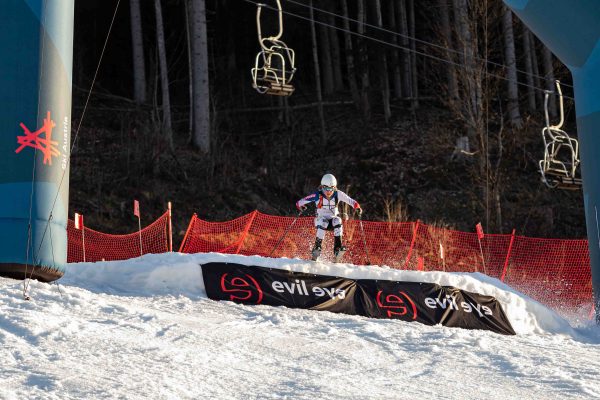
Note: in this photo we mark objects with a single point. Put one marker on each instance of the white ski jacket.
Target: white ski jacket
(327, 207)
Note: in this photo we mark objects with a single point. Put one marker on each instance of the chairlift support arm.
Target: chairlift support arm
(561, 103)
(258, 28)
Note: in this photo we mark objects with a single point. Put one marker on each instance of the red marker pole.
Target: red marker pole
(79, 225)
(481, 235)
(136, 212)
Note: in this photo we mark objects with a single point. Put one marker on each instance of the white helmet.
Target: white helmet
(328, 180)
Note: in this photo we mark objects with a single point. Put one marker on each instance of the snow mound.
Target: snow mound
(180, 274)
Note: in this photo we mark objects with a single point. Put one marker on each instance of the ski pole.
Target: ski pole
(286, 232)
(362, 230)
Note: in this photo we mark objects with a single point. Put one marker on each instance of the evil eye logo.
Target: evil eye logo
(397, 305)
(241, 289)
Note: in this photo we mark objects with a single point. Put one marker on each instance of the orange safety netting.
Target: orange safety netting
(552, 271)
(89, 245)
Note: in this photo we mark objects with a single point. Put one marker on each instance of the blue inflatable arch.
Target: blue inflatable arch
(36, 47)
(571, 29)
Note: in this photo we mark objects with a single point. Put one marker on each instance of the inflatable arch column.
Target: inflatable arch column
(36, 51)
(571, 29)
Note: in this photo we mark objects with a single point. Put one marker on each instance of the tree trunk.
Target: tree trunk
(190, 133)
(383, 72)
(406, 75)
(364, 62)
(395, 62)
(549, 77)
(497, 177)
(137, 44)
(498, 203)
(471, 82)
(325, 59)
(448, 44)
(413, 59)
(167, 127)
(511, 66)
(350, 56)
(201, 97)
(315, 52)
(536, 67)
(336, 57)
(528, 50)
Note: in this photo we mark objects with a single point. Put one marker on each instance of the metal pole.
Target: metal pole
(170, 216)
(285, 233)
(140, 231)
(83, 240)
(362, 230)
(482, 259)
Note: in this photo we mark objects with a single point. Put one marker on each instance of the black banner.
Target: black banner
(427, 303)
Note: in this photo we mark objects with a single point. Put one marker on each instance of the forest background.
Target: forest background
(428, 110)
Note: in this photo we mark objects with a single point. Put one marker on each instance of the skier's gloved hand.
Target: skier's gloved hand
(301, 208)
(357, 208)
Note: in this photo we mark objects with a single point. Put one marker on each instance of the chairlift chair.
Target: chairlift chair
(274, 65)
(561, 152)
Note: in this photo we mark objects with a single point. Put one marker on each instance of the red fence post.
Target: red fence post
(192, 221)
(420, 264)
(170, 245)
(412, 244)
(505, 270)
(245, 232)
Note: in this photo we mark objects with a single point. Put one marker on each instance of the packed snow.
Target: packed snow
(144, 329)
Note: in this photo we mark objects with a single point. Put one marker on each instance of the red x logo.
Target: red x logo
(46, 145)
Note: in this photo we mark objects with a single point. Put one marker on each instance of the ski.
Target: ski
(315, 254)
(339, 255)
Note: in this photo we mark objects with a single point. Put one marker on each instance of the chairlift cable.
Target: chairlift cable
(425, 42)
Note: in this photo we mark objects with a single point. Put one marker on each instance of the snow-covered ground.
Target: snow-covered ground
(144, 329)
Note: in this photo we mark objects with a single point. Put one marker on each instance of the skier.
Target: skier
(326, 200)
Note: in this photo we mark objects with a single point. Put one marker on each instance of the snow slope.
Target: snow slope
(144, 329)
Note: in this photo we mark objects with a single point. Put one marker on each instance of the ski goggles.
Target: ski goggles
(329, 188)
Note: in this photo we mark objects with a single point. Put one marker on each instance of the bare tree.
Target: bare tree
(201, 94)
(511, 66)
(487, 175)
(448, 44)
(325, 59)
(315, 52)
(190, 133)
(348, 49)
(549, 78)
(336, 57)
(471, 79)
(137, 44)
(414, 89)
(535, 66)
(364, 62)
(395, 61)
(167, 128)
(402, 21)
(528, 49)
(383, 72)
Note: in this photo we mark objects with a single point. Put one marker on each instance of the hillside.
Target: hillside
(400, 171)
(265, 156)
